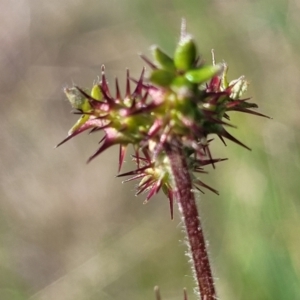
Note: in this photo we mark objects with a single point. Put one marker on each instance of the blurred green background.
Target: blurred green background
(71, 231)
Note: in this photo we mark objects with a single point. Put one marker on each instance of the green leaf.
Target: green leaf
(164, 61)
(203, 74)
(161, 77)
(181, 82)
(185, 54)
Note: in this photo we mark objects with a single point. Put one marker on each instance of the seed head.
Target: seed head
(182, 102)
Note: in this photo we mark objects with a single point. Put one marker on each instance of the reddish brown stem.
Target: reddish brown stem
(190, 216)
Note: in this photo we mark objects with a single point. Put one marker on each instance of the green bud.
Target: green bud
(185, 54)
(164, 61)
(203, 74)
(96, 92)
(161, 77)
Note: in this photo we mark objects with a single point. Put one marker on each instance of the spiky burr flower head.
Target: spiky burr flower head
(182, 102)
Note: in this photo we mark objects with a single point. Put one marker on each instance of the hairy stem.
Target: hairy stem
(188, 208)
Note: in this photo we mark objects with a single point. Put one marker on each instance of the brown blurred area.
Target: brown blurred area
(72, 231)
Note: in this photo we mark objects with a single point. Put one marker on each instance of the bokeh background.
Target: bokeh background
(71, 231)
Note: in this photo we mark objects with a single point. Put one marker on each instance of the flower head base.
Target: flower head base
(181, 103)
